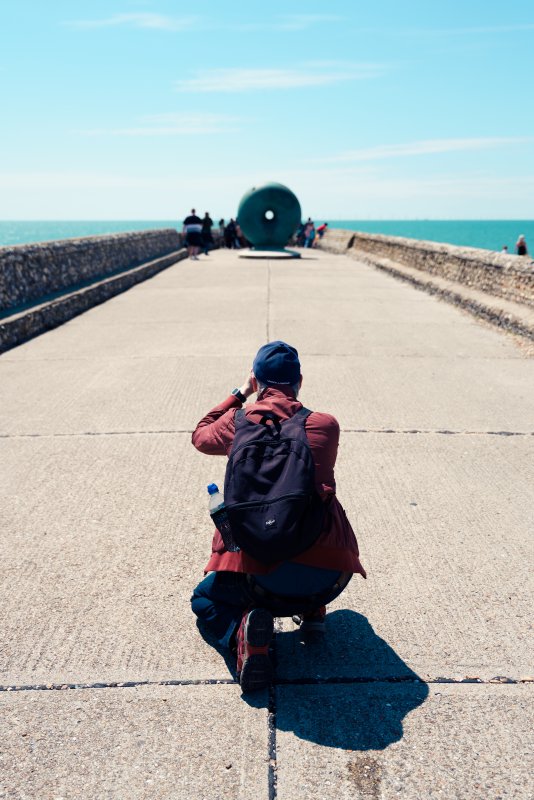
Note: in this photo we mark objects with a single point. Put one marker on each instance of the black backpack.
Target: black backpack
(274, 510)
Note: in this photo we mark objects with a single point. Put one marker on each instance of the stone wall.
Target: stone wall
(507, 276)
(41, 317)
(31, 272)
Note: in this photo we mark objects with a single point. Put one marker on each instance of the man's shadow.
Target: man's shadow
(347, 689)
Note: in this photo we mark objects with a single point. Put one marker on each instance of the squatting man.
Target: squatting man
(268, 576)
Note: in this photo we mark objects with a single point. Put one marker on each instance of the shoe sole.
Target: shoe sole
(257, 671)
(259, 628)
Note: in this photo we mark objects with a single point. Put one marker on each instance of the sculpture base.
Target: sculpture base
(274, 253)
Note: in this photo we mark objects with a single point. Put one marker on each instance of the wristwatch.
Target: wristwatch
(240, 396)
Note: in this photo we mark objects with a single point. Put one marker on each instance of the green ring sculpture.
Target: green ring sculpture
(269, 215)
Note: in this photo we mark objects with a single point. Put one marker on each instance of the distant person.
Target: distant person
(321, 230)
(207, 238)
(237, 235)
(193, 234)
(242, 240)
(230, 235)
(221, 232)
(505, 249)
(309, 233)
(521, 246)
(300, 237)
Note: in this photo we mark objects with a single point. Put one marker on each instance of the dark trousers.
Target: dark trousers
(221, 599)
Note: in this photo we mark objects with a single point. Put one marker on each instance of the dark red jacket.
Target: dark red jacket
(336, 547)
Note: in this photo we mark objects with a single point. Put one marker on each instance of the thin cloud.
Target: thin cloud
(443, 32)
(425, 147)
(70, 180)
(245, 80)
(154, 21)
(285, 22)
(136, 20)
(171, 125)
(514, 28)
(337, 193)
(299, 22)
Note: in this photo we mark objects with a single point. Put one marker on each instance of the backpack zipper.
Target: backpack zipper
(252, 503)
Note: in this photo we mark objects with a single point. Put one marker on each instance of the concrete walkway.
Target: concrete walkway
(423, 686)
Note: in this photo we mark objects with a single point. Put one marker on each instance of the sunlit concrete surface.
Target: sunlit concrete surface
(105, 532)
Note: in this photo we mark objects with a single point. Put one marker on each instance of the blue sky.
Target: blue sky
(139, 109)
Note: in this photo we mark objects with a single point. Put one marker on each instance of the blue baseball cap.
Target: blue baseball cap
(277, 363)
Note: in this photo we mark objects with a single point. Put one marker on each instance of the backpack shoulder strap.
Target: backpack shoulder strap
(239, 416)
(304, 412)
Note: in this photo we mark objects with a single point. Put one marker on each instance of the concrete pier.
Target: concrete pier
(423, 686)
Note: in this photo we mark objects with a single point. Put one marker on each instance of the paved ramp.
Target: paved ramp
(423, 686)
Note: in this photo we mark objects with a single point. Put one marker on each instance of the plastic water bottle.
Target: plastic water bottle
(220, 517)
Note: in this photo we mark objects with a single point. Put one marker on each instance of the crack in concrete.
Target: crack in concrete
(402, 432)
(271, 745)
(498, 680)
(105, 357)
(272, 755)
(50, 687)
(437, 432)
(92, 433)
(268, 321)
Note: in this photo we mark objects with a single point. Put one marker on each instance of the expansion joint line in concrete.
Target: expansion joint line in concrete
(407, 432)
(272, 755)
(437, 432)
(59, 435)
(271, 745)
(268, 320)
(498, 680)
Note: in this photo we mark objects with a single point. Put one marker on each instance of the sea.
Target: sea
(485, 234)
